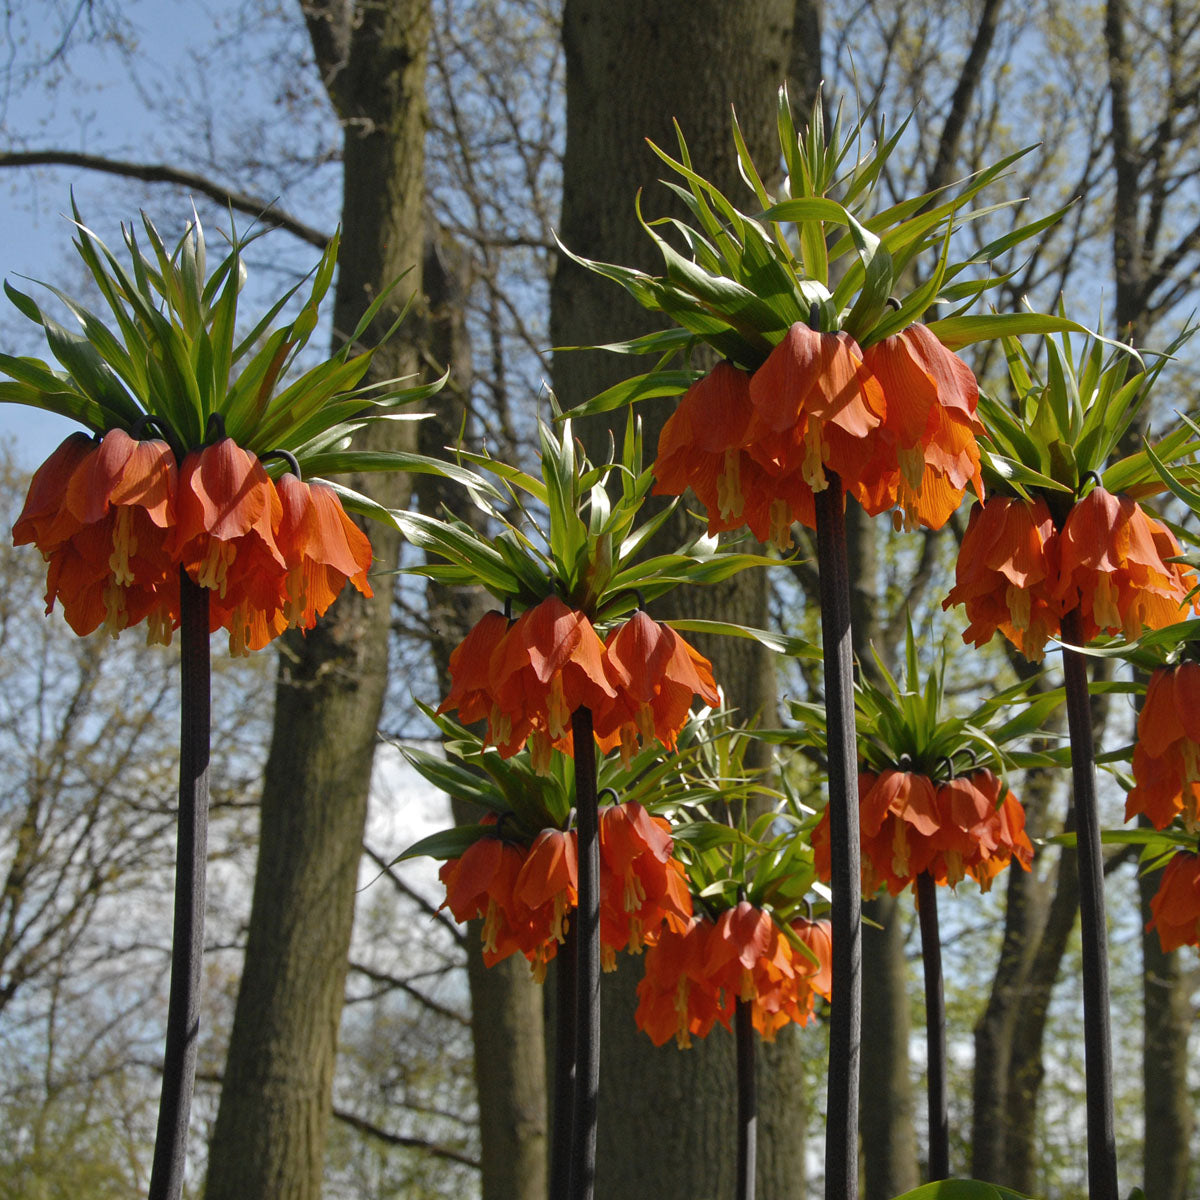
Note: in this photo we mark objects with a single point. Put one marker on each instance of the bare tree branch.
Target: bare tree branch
(254, 206)
(394, 983)
(411, 1143)
(964, 93)
(412, 894)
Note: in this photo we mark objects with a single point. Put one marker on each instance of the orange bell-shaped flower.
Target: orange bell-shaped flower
(548, 888)
(321, 547)
(813, 978)
(547, 666)
(481, 883)
(470, 670)
(749, 958)
(641, 884)
(1175, 908)
(101, 514)
(228, 511)
(1005, 575)
(1113, 568)
(1166, 758)
(675, 997)
(656, 675)
(931, 425)
(703, 446)
(815, 404)
(700, 445)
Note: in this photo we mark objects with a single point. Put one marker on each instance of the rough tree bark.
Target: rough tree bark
(269, 1138)
(631, 67)
(1168, 1112)
(506, 1005)
(1027, 898)
(889, 1146)
(889, 1139)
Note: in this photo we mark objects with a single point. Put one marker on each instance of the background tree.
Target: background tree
(86, 848)
(986, 74)
(631, 68)
(270, 1133)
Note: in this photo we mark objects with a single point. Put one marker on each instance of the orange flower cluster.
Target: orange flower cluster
(1166, 758)
(528, 678)
(642, 885)
(909, 825)
(1018, 574)
(525, 895)
(896, 422)
(695, 975)
(1175, 908)
(116, 519)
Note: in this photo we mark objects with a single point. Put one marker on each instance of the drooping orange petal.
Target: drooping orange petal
(47, 489)
(322, 549)
(469, 669)
(1175, 908)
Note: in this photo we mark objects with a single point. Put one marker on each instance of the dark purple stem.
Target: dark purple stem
(1097, 1034)
(587, 932)
(187, 945)
(845, 1021)
(935, 1028)
(747, 1100)
(564, 1063)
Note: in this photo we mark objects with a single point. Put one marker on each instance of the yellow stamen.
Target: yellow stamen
(780, 517)
(557, 713)
(116, 615)
(158, 629)
(540, 750)
(729, 485)
(1104, 604)
(214, 566)
(124, 546)
(815, 453)
(1018, 601)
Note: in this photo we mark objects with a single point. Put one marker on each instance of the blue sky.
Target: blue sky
(90, 101)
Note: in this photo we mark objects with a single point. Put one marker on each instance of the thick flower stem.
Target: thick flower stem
(1097, 1035)
(565, 970)
(747, 1100)
(841, 1130)
(587, 980)
(187, 945)
(935, 1028)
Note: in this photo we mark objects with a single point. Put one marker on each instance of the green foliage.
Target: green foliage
(904, 724)
(172, 357)
(576, 532)
(962, 1189)
(706, 767)
(747, 278)
(1072, 415)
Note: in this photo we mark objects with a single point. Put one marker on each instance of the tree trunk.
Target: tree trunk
(631, 67)
(1167, 1109)
(1026, 1068)
(506, 1005)
(885, 1116)
(1024, 912)
(269, 1137)
(885, 1119)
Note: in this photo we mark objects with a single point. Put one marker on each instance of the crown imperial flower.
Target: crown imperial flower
(930, 422)
(1166, 756)
(656, 674)
(101, 513)
(1005, 574)
(1175, 908)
